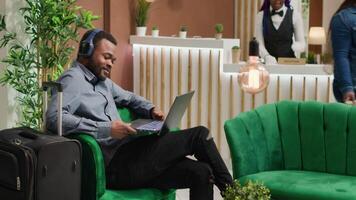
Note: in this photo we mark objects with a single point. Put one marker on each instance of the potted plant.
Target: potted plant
(249, 191)
(51, 26)
(183, 31)
(311, 58)
(155, 31)
(142, 8)
(219, 28)
(235, 54)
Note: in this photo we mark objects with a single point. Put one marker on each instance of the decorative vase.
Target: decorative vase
(218, 36)
(141, 30)
(155, 33)
(235, 54)
(182, 34)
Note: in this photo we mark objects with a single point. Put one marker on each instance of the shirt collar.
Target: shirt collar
(89, 76)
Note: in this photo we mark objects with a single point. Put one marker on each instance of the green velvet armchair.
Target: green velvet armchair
(299, 150)
(93, 173)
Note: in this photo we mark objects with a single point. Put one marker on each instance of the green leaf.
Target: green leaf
(2, 23)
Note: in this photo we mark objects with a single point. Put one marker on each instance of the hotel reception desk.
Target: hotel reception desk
(165, 67)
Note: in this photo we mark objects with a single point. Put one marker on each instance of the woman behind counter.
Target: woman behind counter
(343, 38)
(276, 25)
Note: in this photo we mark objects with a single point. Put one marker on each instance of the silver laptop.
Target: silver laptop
(175, 114)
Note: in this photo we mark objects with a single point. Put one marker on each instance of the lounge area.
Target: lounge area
(271, 82)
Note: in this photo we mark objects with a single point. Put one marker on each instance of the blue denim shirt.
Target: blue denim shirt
(89, 106)
(343, 36)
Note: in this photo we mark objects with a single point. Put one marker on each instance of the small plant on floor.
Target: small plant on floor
(250, 191)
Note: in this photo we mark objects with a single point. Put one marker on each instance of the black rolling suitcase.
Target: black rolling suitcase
(35, 166)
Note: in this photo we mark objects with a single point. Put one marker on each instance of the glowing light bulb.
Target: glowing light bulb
(253, 77)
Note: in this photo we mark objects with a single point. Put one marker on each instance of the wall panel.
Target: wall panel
(199, 15)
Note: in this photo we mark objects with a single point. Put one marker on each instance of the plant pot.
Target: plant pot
(218, 36)
(235, 55)
(155, 33)
(182, 34)
(141, 30)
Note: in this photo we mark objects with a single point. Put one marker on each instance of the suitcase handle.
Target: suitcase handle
(59, 88)
(46, 85)
(28, 135)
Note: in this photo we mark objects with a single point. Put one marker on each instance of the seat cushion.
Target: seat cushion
(140, 194)
(306, 185)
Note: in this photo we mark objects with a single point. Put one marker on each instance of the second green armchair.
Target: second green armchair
(299, 150)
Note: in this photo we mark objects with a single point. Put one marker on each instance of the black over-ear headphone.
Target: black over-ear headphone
(86, 47)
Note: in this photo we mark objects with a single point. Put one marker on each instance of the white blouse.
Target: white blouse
(298, 39)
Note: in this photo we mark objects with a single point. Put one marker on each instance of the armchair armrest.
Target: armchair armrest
(93, 169)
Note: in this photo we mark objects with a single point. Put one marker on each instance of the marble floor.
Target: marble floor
(184, 194)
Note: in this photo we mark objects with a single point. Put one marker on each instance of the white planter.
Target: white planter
(182, 34)
(218, 36)
(141, 30)
(235, 55)
(155, 33)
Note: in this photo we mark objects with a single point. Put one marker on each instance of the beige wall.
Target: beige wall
(121, 25)
(199, 15)
(3, 90)
(95, 6)
(14, 22)
(329, 8)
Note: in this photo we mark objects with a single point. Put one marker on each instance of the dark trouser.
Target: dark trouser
(160, 162)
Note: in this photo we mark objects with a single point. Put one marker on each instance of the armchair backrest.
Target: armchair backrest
(294, 135)
(126, 115)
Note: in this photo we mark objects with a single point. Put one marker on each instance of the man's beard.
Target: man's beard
(97, 70)
(101, 76)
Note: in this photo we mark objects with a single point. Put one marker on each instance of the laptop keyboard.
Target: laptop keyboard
(154, 125)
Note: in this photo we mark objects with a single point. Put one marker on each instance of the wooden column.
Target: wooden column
(315, 19)
(107, 15)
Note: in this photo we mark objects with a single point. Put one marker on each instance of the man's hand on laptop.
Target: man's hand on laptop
(157, 114)
(120, 129)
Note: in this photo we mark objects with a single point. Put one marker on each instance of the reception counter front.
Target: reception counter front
(165, 67)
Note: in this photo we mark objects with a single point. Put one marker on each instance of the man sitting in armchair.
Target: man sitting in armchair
(90, 99)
